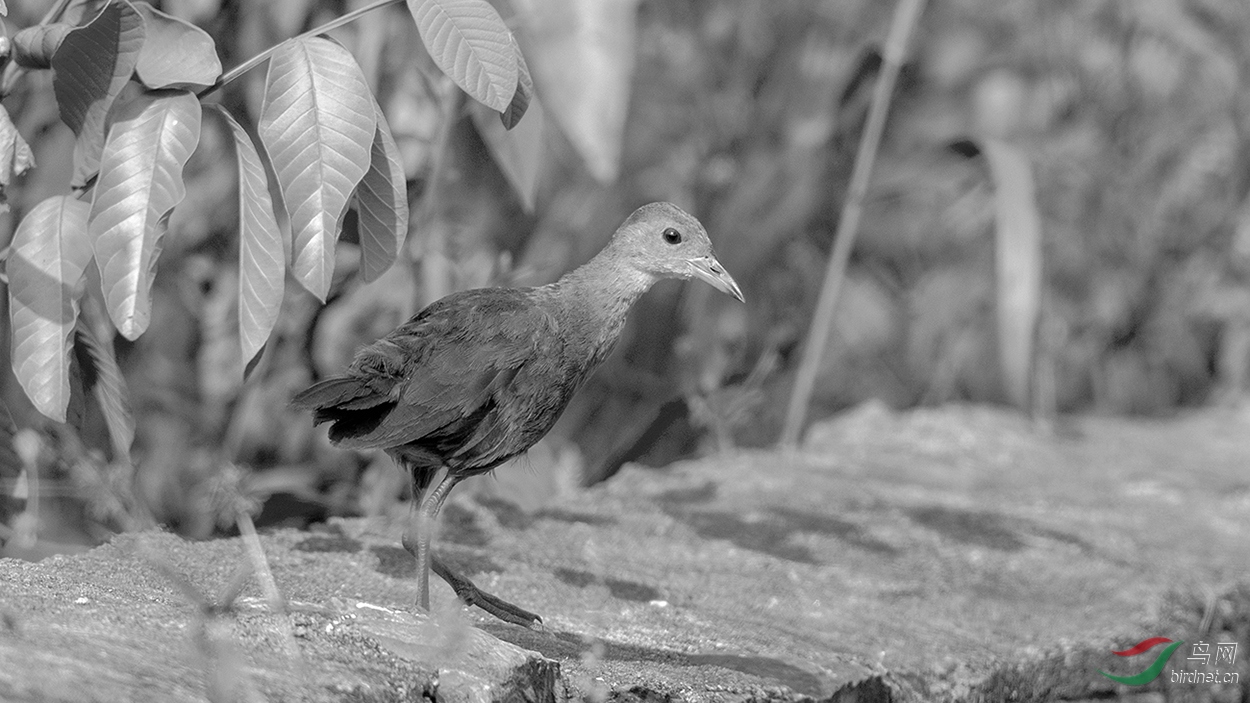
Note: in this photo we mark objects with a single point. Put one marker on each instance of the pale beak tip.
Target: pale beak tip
(715, 275)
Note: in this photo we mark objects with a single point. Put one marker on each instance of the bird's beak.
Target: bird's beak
(710, 270)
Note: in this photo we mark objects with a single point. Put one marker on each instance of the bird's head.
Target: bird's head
(664, 241)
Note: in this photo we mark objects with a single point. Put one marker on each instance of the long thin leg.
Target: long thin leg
(470, 594)
(412, 542)
(421, 521)
(417, 539)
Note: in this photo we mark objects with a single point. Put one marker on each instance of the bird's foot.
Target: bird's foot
(470, 594)
(500, 608)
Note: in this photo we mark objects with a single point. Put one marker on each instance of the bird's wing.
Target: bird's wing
(435, 378)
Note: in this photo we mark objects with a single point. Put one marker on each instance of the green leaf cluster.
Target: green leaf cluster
(131, 82)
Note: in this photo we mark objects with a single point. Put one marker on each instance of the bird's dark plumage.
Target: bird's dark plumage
(475, 379)
(480, 376)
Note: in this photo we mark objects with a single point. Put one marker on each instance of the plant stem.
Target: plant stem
(263, 56)
(906, 14)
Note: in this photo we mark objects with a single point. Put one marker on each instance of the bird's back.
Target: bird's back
(471, 381)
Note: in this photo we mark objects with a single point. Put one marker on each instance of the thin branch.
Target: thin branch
(269, 586)
(906, 14)
(263, 56)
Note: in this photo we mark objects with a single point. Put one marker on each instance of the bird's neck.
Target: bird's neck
(609, 280)
(599, 294)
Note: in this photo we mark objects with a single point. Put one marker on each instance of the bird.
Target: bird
(479, 376)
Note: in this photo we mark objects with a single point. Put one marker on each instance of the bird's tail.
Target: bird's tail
(334, 398)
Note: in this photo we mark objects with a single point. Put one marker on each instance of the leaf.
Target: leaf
(15, 156)
(469, 42)
(103, 378)
(78, 11)
(518, 152)
(140, 183)
(582, 56)
(175, 54)
(262, 262)
(50, 251)
(317, 124)
(382, 204)
(524, 90)
(33, 47)
(1018, 254)
(92, 65)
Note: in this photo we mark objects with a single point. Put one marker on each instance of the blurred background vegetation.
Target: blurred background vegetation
(1131, 119)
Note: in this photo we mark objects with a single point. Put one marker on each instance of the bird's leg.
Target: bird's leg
(417, 539)
(421, 521)
(470, 594)
(417, 542)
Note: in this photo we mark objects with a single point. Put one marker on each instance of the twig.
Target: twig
(906, 15)
(260, 565)
(263, 56)
(277, 603)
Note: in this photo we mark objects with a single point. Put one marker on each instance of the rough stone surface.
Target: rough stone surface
(949, 554)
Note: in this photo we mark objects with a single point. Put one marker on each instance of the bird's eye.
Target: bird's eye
(672, 236)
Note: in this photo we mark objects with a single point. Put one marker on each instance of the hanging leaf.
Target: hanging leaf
(140, 183)
(317, 124)
(524, 90)
(518, 152)
(382, 204)
(92, 65)
(175, 54)
(582, 56)
(50, 251)
(262, 263)
(103, 378)
(469, 42)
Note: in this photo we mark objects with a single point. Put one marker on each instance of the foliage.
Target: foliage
(123, 82)
(133, 85)
(1106, 137)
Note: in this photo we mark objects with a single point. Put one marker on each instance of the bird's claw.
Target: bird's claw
(502, 609)
(469, 594)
